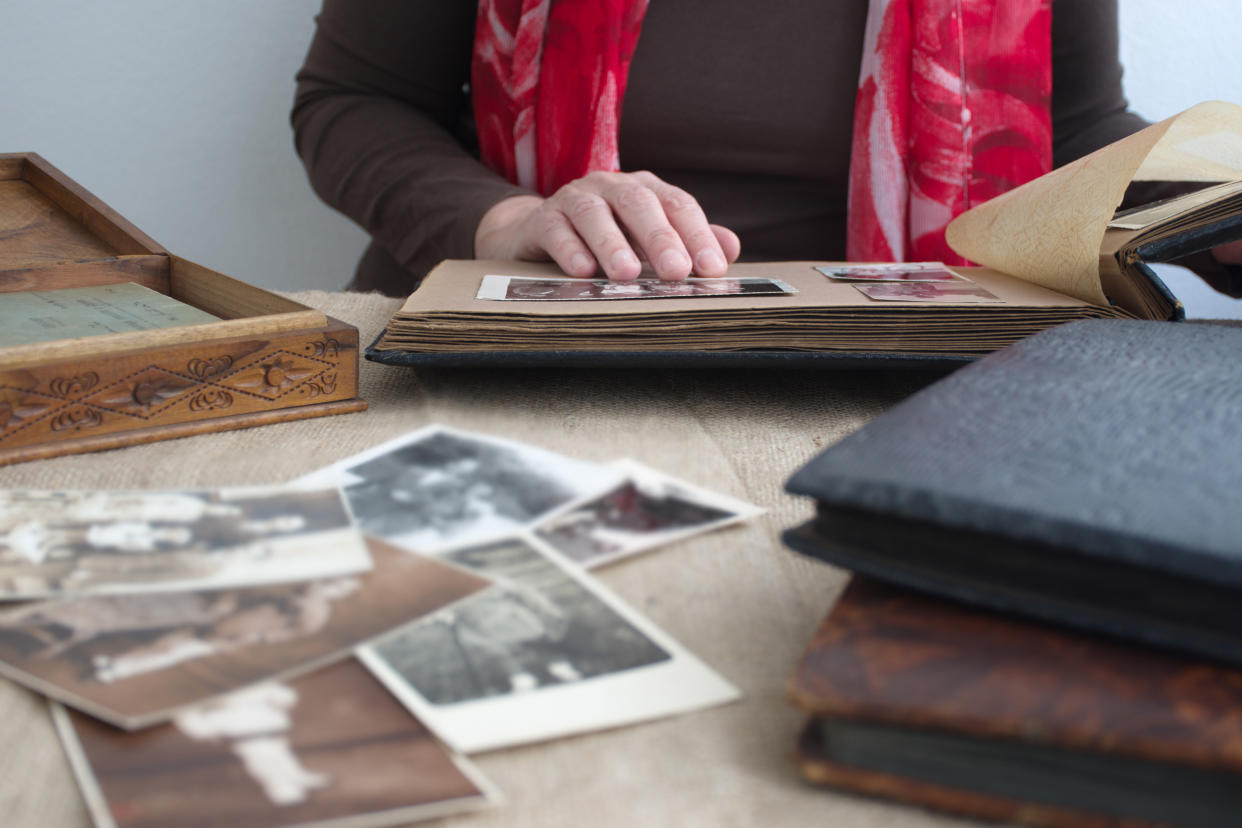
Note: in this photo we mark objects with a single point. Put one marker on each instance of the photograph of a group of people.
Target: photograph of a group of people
(56, 543)
(161, 633)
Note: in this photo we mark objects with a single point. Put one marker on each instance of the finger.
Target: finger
(1229, 253)
(593, 221)
(729, 242)
(642, 213)
(558, 238)
(689, 221)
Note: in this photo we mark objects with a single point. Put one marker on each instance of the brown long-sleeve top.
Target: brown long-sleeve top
(750, 111)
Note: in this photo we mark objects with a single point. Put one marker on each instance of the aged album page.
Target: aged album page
(1050, 230)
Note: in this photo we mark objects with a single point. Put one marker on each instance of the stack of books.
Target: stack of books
(1045, 624)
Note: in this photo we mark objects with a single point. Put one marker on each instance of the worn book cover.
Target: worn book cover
(942, 705)
(1088, 475)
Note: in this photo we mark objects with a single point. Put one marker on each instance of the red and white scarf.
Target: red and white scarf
(952, 106)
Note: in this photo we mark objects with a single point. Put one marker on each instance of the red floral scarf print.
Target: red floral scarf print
(952, 106)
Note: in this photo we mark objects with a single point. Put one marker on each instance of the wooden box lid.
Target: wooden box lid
(267, 359)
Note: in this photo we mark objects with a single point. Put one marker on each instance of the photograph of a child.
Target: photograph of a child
(331, 745)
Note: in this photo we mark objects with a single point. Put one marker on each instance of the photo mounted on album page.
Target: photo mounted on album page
(949, 292)
(437, 488)
(332, 748)
(895, 272)
(68, 543)
(135, 660)
(545, 652)
(647, 510)
(569, 289)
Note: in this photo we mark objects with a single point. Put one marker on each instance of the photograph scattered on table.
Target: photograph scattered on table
(928, 292)
(134, 660)
(64, 543)
(647, 510)
(332, 745)
(898, 272)
(545, 652)
(438, 488)
(522, 288)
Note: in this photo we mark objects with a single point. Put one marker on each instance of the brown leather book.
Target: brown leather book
(956, 709)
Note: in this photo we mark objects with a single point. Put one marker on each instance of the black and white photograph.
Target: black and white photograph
(898, 272)
(928, 292)
(134, 660)
(332, 747)
(650, 509)
(66, 543)
(544, 652)
(523, 288)
(438, 487)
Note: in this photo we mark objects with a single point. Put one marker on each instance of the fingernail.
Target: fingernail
(581, 264)
(709, 261)
(624, 260)
(673, 262)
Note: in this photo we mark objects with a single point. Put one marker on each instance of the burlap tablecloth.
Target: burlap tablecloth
(737, 598)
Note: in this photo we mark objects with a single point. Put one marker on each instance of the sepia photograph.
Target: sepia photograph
(650, 509)
(928, 292)
(544, 652)
(438, 488)
(520, 288)
(67, 543)
(135, 660)
(900, 272)
(330, 748)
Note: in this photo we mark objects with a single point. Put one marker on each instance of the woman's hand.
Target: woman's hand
(1230, 254)
(609, 221)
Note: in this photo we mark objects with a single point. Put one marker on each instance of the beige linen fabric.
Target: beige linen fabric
(737, 598)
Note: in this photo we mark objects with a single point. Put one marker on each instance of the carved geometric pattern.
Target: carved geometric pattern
(273, 375)
(323, 349)
(211, 399)
(74, 386)
(318, 387)
(143, 394)
(17, 405)
(102, 398)
(76, 418)
(207, 368)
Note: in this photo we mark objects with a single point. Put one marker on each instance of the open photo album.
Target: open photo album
(1052, 251)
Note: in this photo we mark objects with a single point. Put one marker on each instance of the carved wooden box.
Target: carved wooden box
(269, 359)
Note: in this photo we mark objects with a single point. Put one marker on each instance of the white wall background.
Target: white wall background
(176, 114)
